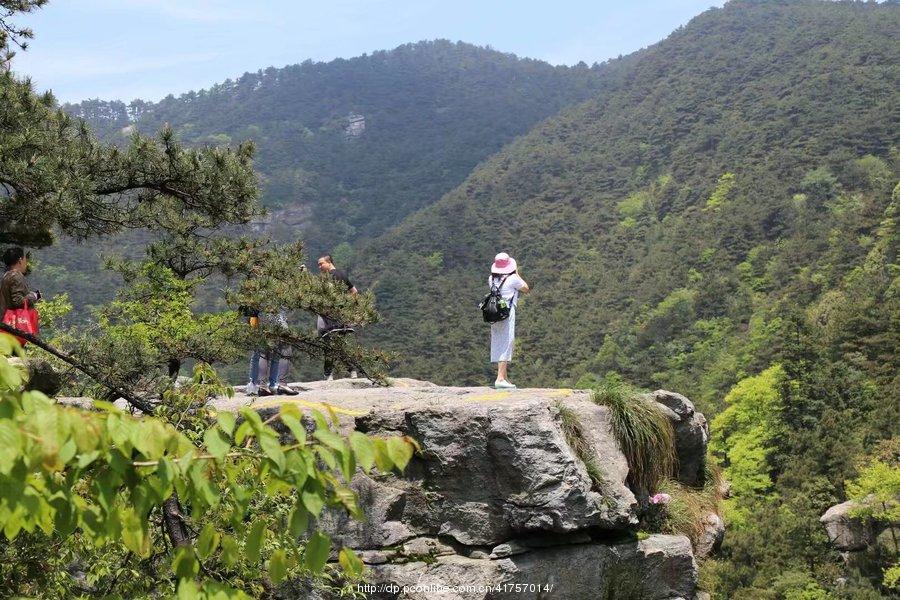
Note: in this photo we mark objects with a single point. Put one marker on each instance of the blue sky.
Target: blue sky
(126, 49)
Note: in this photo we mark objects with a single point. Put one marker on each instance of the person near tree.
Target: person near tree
(13, 288)
(326, 326)
(505, 275)
(271, 362)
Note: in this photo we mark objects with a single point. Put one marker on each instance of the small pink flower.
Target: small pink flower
(660, 499)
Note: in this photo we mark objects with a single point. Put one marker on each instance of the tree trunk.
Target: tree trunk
(174, 522)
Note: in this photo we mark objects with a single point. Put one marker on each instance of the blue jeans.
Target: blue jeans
(272, 359)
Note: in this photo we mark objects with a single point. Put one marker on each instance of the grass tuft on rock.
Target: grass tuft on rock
(687, 510)
(574, 434)
(644, 434)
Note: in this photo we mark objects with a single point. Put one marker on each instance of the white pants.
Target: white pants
(503, 334)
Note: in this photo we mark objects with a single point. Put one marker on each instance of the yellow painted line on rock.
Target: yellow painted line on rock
(310, 404)
(488, 396)
(561, 392)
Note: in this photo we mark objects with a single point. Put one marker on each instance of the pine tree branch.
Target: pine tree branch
(135, 401)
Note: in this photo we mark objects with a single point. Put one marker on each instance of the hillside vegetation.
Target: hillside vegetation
(720, 219)
(432, 110)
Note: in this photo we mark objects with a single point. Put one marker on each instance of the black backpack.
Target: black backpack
(494, 307)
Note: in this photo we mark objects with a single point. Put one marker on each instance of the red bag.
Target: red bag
(24, 319)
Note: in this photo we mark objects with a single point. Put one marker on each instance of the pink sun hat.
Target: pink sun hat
(504, 264)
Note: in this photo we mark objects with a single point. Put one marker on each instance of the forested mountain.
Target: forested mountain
(726, 153)
(353, 146)
(345, 149)
(720, 219)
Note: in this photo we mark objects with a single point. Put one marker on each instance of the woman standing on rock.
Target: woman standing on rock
(505, 279)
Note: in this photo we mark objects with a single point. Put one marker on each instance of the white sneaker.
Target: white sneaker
(353, 375)
(502, 384)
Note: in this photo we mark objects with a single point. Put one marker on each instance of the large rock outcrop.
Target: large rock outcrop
(497, 495)
(846, 532)
(691, 435)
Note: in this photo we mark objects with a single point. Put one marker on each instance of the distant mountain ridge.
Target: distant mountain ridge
(423, 116)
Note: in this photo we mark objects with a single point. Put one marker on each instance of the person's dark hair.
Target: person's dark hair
(13, 255)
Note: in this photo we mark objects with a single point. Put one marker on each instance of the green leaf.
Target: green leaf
(119, 428)
(67, 452)
(166, 470)
(298, 522)
(348, 499)
(150, 438)
(217, 443)
(10, 445)
(350, 562)
(230, 551)
(364, 449)
(277, 566)
(382, 458)
(226, 421)
(330, 439)
(134, 536)
(399, 451)
(252, 417)
(348, 464)
(272, 448)
(316, 554)
(86, 459)
(313, 499)
(319, 419)
(188, 590)
(243, 430)
(185, 564)
(327, 457)
(254, 540)
(295, 464)
(208, 541)
(296, 427)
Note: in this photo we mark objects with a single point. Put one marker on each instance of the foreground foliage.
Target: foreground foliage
(93, 481)
(181, 499)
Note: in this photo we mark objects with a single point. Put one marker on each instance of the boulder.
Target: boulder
(41, 375)
(691, 436)
(498, 494)
(713, 535)
(493, 466)
(845, 532)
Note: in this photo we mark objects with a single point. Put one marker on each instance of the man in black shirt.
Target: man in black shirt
(328, 326)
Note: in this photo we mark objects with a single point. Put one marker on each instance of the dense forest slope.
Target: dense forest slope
(353, 146)
(714, 174)
(720, 219)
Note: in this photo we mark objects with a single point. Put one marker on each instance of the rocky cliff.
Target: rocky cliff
(498, 504)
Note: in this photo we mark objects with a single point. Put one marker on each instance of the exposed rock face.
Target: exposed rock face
(42, 377)
(658, 568)
(691, 435)
(847, 533)
(493, 465)
(498, 496)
